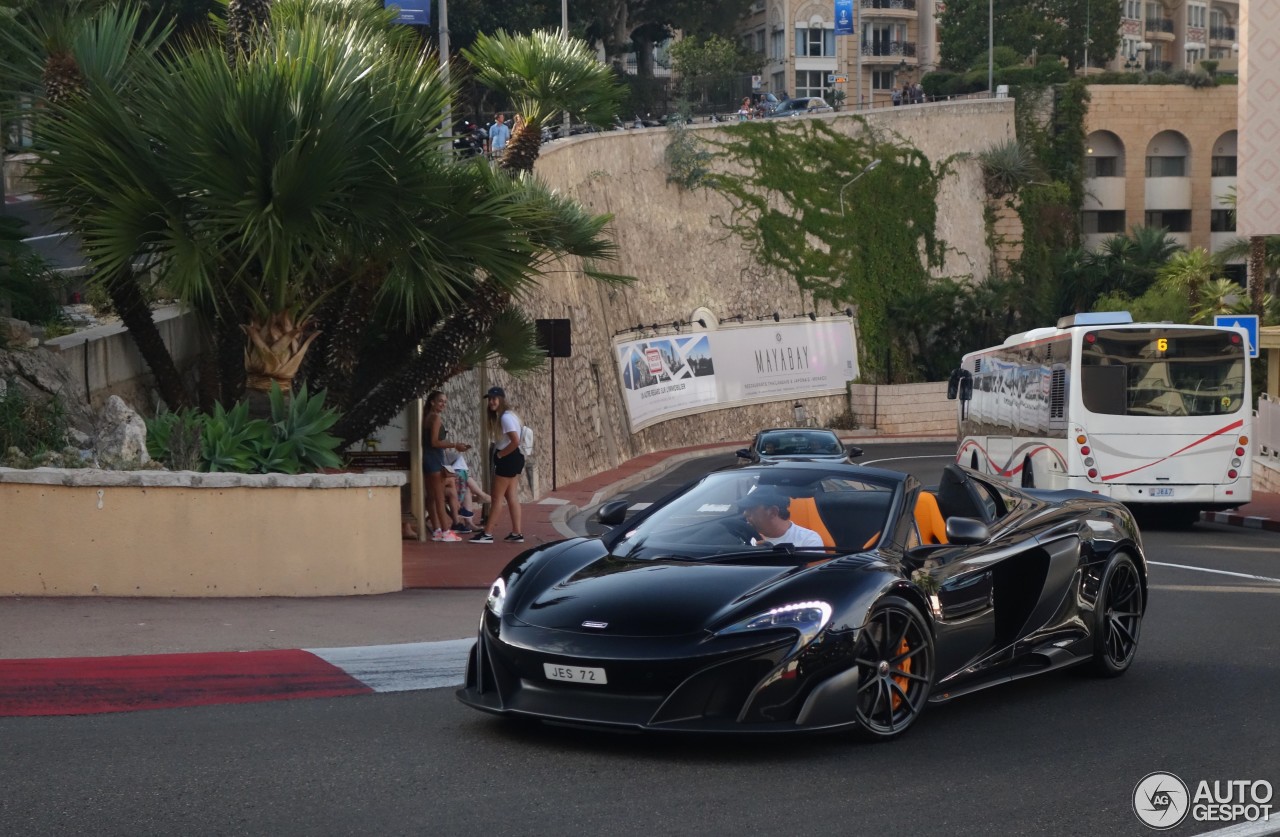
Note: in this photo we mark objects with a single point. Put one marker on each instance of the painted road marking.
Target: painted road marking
(1218, 588)
(951, 456)
(1215, 572)
(402, 667)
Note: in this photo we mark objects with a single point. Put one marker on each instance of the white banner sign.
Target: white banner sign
(679, 374)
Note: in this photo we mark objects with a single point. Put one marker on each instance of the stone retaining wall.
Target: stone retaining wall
(671, 242)
(161, 533)
(904, 408)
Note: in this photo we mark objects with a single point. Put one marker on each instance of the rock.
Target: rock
(15, 332)
(42, 375)
(122, 435)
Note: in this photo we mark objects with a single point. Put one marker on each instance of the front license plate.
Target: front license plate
(575, 674)
(1162, 492)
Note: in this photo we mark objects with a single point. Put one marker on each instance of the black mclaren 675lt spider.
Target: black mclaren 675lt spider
(684, 617)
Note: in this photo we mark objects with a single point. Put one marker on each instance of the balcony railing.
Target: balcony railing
(907, 49)
(904, 5)
(1164, 24)
(1222, 33)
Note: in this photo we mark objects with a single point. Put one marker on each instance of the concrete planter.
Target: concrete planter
(163, 533)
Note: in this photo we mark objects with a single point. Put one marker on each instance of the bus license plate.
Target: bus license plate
(575, 674)
(1162, 492)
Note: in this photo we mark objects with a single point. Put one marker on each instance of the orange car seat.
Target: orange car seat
(804, 512)
(929, 522)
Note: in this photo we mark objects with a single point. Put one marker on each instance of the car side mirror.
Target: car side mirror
(743, 453)
(960, 385)
(613, 512)
(854, 451)
(967, 530)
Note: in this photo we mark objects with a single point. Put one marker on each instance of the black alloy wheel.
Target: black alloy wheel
(895, 661)
(1117, 617)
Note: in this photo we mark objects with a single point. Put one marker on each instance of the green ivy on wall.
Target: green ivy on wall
(806, 202)
(1050, 121)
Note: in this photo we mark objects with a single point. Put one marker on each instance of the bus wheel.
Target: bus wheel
(1028, 476)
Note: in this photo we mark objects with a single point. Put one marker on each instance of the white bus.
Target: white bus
(1145, 413)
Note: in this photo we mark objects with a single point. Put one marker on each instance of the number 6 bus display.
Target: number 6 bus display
(1144, 413)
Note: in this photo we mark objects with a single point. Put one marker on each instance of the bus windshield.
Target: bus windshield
(1162, 372)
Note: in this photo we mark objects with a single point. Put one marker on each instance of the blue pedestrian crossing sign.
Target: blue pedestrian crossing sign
(1248, 322)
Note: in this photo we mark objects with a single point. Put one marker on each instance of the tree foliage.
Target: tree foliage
(1039, 27)
(304, 186)
(807, 203)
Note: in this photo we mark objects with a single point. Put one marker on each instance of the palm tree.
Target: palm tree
(302, 198)
(543, 74)
(55, 53)
(1189, 271)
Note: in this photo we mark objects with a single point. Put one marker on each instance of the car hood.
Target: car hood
(648, 597)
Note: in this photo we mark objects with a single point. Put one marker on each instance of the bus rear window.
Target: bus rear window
(1160, 372)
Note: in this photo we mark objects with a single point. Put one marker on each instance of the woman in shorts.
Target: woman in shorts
(508, 464)
(433, 448)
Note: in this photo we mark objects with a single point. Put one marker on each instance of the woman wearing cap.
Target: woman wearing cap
(433, 448)
(508, 464)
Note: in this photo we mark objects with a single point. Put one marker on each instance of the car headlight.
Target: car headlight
(497, 597)
(806, 617)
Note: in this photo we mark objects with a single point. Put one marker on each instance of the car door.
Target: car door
(982, 594)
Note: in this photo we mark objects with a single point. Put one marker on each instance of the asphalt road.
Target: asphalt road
(1055, 755)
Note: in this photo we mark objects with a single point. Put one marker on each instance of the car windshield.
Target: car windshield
(845, 509)
(800, 443)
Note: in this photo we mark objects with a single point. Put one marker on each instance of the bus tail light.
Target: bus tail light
(1239, 451)
(1232, 474)
(1235, 463)
(1093, 473)
(1244, 440)
(1085, 450)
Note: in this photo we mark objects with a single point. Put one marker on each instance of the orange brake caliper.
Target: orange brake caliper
(906, 667)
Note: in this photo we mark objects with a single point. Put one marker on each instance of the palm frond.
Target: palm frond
(544, 73)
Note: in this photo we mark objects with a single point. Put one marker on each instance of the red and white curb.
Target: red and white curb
(1247, 521)
(93, 685)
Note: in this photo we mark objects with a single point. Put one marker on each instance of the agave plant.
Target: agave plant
(1007, 167)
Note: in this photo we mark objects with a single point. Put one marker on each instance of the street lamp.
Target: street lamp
(869, 167)
(1137, 59)
(991, 47)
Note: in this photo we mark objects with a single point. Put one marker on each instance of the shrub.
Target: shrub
(32, 426)
(294, 440)
(848, 420)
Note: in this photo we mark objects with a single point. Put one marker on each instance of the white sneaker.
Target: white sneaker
(450, 537)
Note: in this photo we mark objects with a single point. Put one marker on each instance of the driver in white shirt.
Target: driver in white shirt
(768, 512)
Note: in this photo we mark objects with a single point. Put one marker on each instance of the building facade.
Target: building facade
(1161, 156)
(1158, 36)
(803, 56)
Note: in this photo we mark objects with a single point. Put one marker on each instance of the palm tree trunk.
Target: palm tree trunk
(1257, 274)
(523, 148)
(126, 295)
(344, 333)
(274, 349)
(440, 359)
